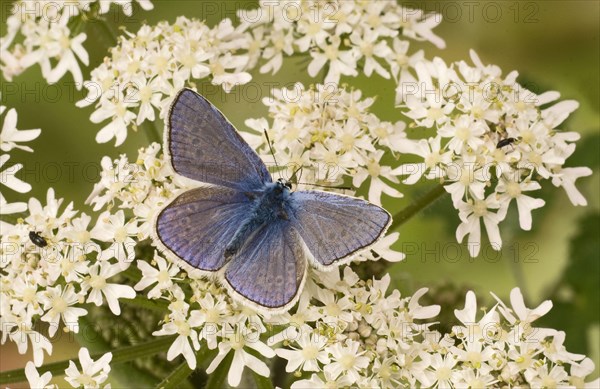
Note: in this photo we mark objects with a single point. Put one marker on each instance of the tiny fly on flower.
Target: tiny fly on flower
(505, 142)
(37, 239)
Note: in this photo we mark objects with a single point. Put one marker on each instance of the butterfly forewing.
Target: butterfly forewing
(199, 223)
(270, 267)
(334, 227)
(205, 147)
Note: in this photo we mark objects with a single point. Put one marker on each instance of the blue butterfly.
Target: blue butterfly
(255, 233)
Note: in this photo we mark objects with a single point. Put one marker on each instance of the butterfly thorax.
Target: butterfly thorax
(271, 204)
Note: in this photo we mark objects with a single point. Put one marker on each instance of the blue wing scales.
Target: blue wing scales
(205, 147)
(334, 227)
(198, 224)
(270, 267)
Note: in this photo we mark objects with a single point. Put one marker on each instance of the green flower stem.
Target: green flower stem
(124, 354)
(377, 269)
(173, 380)
(160, 306)
(418, 205)
(181, 372)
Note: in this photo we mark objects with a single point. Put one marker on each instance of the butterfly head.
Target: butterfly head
(282, 183)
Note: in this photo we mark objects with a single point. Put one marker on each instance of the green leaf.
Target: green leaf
(182, 372)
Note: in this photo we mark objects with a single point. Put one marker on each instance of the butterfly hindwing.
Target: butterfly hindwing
(270, 267)
(198, 224)
(334, 226)
(205, 147)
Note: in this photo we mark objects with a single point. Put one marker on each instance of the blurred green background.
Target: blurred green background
(553, 44)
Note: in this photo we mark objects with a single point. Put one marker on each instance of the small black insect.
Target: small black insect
(37, 239)
(505, 142)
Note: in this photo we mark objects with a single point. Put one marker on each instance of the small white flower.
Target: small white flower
(92, 374)
(7, 176)
(179, 324)
(163, 276)
(340, 62)
(98, 287)
(59, 305)
(113, 228)
(310, 352)
(347, 360)
(10, 135)
(37, 381)
(508, 189)
(236, 341)
(471, 214)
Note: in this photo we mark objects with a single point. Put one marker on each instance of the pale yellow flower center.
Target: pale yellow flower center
(331, 52)
(374, 169)
(237, 342)
(82, 236)
(333, 309)
(480, 208)
(188, 61)
(434, 113)
(59, 305)
(443, 373)
(374, 20)
(549, 383)
(183, 328)
(163, 276)
(212, 315)
(463, 133)
(513, 189)
(401, 59)
(121, 234)
(313, 29)
(432, 159)
(347, 361)
(145, 94)
(29, 295)
(310, 352)
(86, 380)
(97, 282)
(527, 136)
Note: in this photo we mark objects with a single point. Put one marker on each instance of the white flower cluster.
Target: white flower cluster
(10, 139)
(329, 134)
(93, 373)
(48, 33)
(344, 331)
(146, 69)
(365, 338)
(51, 263)
(343, 36)
(494, 142)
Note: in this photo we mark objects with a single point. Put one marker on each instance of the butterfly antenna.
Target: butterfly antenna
(271, 149)
(325, 186)
(293, 178)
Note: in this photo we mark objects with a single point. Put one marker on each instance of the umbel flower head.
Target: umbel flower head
(346, 38)
(495, 142)
(146, 69)
(48, 33)
(326, 134)
(344, 330)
